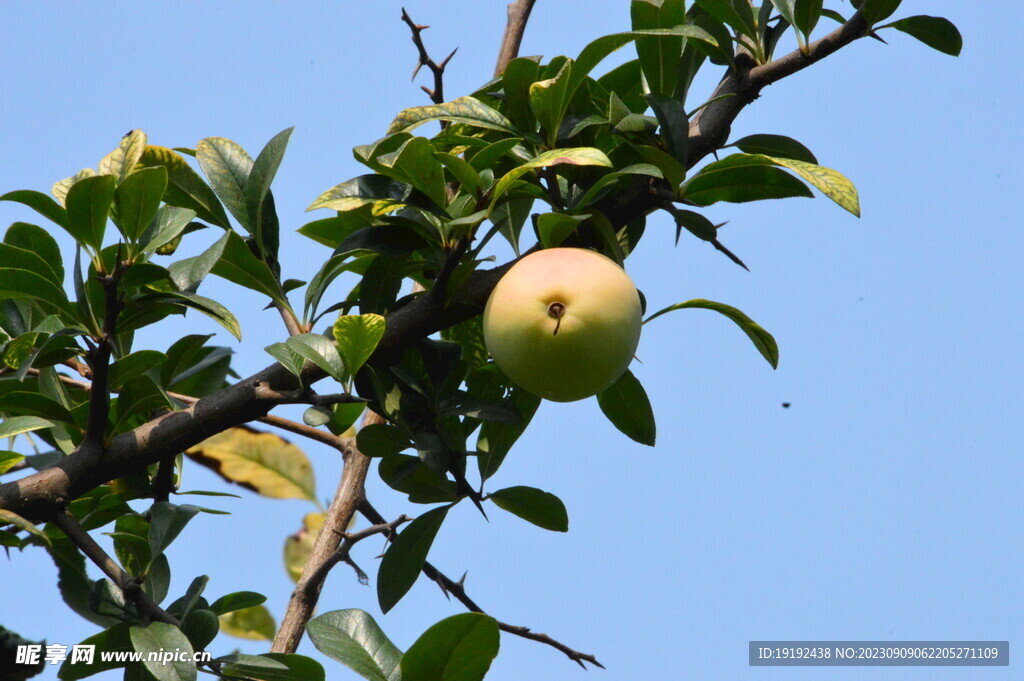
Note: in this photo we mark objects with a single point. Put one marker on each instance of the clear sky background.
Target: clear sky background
(885, 503)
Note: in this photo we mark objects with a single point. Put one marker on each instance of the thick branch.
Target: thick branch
(307, 592)
(457, 589)
(128, 585)
(518, 15)
(36, 495)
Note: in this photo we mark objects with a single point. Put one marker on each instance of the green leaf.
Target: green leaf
(519, 75)
(273, 667)
(377, 189)
(466, 110)
(9, 460)
(578, 156)
(554, 228)
(409, 475)
(238, 264)
(935, 32)
(42, 204)
(831, 183)
(185, 188)
(775, 145)
(38, 241)
(113, 640)
(20, 283)
(210, 308)
(21, 259)
(595, 52)
(137, 200)
(201, 626)
(626, 405)
(157, 637)
(806, 14)
(263, 462)
(353, 638)
(458, 648)
(549, 99)
(378, 439)
(170, 222)
(694, 223)
(496, 439)
(876, 10)
(33, 404)
(415, 164)
(541, 508)
(740, 178)
(253, 623)
(319, 350)
(227, 166)
(289, 359)
(122, 161)
(331, 270)
(187, 274)
(238, 600)
(659, 57)
(737, 14)
(16, 425)
(674, 124)
(257, 189)
(509, 217)
(763, 341)
(88, 204)
(12, 518)
(357, 337)
(166, 521)
(404, 559)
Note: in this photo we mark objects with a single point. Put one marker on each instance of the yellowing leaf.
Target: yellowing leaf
(358, 336)
(832, 184)
(263, 462)
(578, 156)
(255, 624)
(298, 546)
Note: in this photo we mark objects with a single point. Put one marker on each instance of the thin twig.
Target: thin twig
(518, 15)
(457, 589)
(126, 583)
(437, 93)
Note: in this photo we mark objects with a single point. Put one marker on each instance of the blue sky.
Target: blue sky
(885, 503)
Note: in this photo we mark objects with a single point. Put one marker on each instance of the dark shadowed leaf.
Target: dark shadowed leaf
(404, 558)
(626, 405)
(775, 145)
(541, 508)
(935, 32)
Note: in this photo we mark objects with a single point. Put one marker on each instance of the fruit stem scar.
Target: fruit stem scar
(555, 311)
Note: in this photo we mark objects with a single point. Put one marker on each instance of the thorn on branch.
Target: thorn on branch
(436, 93)
(457, 589)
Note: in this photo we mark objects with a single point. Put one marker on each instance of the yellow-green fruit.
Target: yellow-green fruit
(563, 323)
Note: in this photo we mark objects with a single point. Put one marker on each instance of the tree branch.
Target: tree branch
(125, 582)
(457, 589)
(35, 495)
(518, 15)
(328, 541)
(437, 94)
(99, 358)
